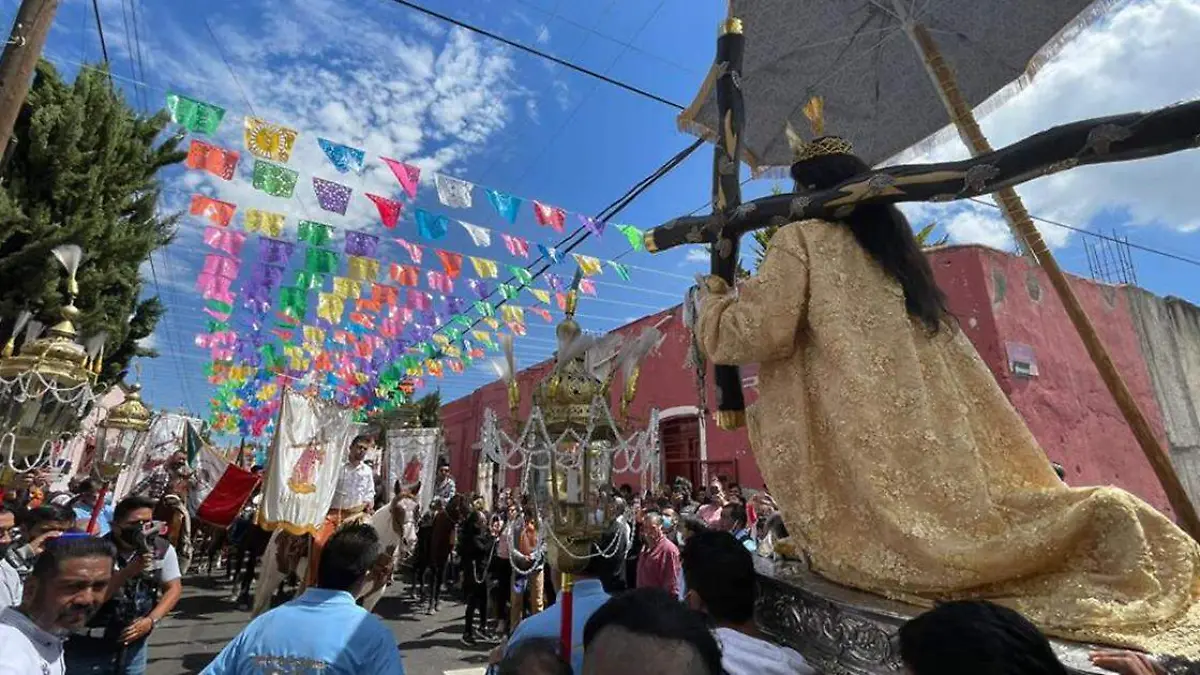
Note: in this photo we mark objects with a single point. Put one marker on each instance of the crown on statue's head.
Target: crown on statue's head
(821, 145)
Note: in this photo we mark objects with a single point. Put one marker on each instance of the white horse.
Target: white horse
(388, 523)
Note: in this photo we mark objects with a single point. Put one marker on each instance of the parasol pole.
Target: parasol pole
(727, 195)
(1029, 237)
(568, 606)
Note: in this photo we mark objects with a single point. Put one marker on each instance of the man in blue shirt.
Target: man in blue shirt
(324, 630)
(588, 596)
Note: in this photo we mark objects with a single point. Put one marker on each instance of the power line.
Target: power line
(539, 53)
(100, 29)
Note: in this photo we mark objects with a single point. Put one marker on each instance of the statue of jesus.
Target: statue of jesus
(897, 462)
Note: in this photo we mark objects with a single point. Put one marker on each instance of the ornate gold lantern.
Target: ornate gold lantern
(120, 433)
(569, 447)
(46, 383)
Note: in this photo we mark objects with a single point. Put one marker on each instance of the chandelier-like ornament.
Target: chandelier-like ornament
(570, 446)
(120, 433)
(46, 383)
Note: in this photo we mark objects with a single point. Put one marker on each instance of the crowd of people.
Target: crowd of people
(670, 589)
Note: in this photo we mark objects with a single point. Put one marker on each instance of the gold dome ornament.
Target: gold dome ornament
(120, 433)
(46, 383)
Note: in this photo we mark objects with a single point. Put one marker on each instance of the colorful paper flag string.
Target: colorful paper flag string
(389, 210)
(549, 216)
(453, 192)
(193, 115)
(313, 233)
(590, 266)
(320, 261)
(521, 274)
(343, 157)
(620, 269)
(550, 253)
(633, 235)
(505, 204)
(414, 250)
(215, 160)
(451, 262)
(480, 236)
(331, 196)
(484, 268)
(405, 275)
(430, 226)
(361, 244)
(267, 140)
(596, 227)
(516, 245)
(408, 175)
(264, 222)
(221, 239)
(274, 251)
(275, 180)
(216, 211)
(362, 269)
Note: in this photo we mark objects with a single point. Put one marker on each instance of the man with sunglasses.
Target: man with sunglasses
(145, 587)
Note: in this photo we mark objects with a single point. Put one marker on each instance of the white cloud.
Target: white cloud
(1130, 62)
(543, 34)
(149, 342)
(696, 254)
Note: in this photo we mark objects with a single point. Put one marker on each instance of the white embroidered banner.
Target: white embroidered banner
(411, 458)
(307, 454)
(163, 439)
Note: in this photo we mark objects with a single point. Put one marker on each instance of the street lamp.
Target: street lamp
(117, 436)
(569, 447)
(46, 383)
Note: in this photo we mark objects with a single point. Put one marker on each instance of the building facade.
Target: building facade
(1007, 307)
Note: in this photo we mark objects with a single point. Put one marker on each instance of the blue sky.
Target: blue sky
(378, 76)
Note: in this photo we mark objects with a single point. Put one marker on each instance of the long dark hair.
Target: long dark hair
(884, 233)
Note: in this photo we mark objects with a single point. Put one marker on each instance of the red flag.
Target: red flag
(451, 262)
(405, 275)
(210, 158)
(549, 216)
(221, 506)
(389, 210)
(217, 211)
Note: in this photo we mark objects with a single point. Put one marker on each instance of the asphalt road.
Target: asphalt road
(205, 620)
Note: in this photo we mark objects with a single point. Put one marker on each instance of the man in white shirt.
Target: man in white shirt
(353, 499)
(719, 574)
(67, 586)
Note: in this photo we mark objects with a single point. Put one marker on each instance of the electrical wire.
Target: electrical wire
(537, 52)
(100, 29)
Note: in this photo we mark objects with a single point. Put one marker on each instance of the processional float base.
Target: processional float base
(842, 631)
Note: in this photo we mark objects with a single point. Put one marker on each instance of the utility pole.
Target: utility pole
(20, 59)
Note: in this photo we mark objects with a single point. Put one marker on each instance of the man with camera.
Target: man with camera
(144, 589)
(17, 557)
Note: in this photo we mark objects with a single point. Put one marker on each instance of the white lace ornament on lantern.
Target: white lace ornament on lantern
(46, 384)
(570, 446)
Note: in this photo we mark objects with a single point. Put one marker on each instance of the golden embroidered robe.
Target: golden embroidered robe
(902, 469)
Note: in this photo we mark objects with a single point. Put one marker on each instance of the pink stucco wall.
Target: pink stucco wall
(1066, 405)
(1002, 299)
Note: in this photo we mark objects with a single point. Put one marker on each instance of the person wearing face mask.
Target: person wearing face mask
(67, 586)
(658, 565)
(143, 590)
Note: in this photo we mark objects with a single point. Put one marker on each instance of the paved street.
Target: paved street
(204, 621)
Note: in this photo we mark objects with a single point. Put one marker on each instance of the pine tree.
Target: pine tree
(84, 171)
